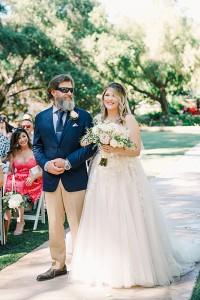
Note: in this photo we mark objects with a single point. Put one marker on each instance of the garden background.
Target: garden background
(157, 58)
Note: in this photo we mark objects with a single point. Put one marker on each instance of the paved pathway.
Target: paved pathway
(178, 190)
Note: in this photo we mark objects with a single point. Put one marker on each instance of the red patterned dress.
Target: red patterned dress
(21, 173)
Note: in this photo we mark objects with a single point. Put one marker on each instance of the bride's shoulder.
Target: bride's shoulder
(130, 120)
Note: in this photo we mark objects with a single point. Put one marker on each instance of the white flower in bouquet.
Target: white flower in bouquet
(15, 201)
(120, 144)
(95, 130)
(114, 143)
(104, 138)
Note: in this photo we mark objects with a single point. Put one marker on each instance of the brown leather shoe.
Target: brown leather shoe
(52, 273)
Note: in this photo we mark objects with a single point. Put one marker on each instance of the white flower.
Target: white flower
(73, 115)
(104, 138)
(113, 143)
(95, 130)
(15, 201)
(121, 144)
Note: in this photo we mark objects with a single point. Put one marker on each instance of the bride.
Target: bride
(122, 239)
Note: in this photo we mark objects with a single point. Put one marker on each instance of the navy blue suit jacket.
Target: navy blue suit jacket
(46, 147)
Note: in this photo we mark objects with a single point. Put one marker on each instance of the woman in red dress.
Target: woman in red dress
(21, 159)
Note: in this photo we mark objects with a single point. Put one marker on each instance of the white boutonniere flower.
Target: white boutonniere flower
(73, 115)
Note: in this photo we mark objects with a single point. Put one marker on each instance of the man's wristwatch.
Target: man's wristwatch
(67, 165)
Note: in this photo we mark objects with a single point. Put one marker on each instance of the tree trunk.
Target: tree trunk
(164, 104)
(2, 98)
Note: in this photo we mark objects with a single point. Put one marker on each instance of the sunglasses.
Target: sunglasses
(65, 89)
(26, 126)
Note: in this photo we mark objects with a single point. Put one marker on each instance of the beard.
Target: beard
(65, 105)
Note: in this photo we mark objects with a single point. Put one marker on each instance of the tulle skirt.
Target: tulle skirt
(123, 239)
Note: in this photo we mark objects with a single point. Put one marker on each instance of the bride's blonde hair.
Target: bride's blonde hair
(123, 103)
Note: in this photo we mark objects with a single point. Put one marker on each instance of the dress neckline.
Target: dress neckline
(19, 162)
(116, 121)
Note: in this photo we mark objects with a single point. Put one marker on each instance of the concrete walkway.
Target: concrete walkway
(178, 190)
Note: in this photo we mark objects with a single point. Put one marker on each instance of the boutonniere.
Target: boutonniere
(73, 115)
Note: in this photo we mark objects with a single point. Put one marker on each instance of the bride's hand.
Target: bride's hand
(108, 149)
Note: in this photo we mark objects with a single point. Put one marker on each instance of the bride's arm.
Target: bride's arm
(134, 135)
(84, 143)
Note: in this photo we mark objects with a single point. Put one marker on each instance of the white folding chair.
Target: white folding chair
(2, 232)
(40, 213)
(2, 228)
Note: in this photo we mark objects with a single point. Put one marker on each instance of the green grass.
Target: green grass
(162, 149)
(174, 142)
(196, 289)
(18, 246)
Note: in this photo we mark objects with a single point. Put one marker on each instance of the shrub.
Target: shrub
(157, 119)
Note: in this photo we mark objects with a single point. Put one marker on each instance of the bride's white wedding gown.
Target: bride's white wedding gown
(122, 239)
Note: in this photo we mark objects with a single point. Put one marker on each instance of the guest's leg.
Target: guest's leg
(7, 220)
(73, 202)
(21, 214)
(56, 218)
(20, 221)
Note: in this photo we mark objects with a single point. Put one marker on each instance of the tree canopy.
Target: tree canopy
(40, 39)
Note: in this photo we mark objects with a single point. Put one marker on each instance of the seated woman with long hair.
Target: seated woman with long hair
(22, 160)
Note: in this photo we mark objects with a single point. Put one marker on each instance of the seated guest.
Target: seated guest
(3, 128)
(28, 126)
(27, 182)
(4, 145)
(9, 127)
(28, 116)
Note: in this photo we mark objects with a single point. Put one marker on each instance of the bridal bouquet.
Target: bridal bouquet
(106, 133)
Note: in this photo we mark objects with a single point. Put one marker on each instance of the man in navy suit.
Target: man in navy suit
(57, 150)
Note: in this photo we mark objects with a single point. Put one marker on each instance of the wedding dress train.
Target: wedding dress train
(123, 240)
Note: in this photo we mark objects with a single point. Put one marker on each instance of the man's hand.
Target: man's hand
(59, 162)
(55, 168)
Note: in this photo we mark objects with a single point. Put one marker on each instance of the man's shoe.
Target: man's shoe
(52, 273)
